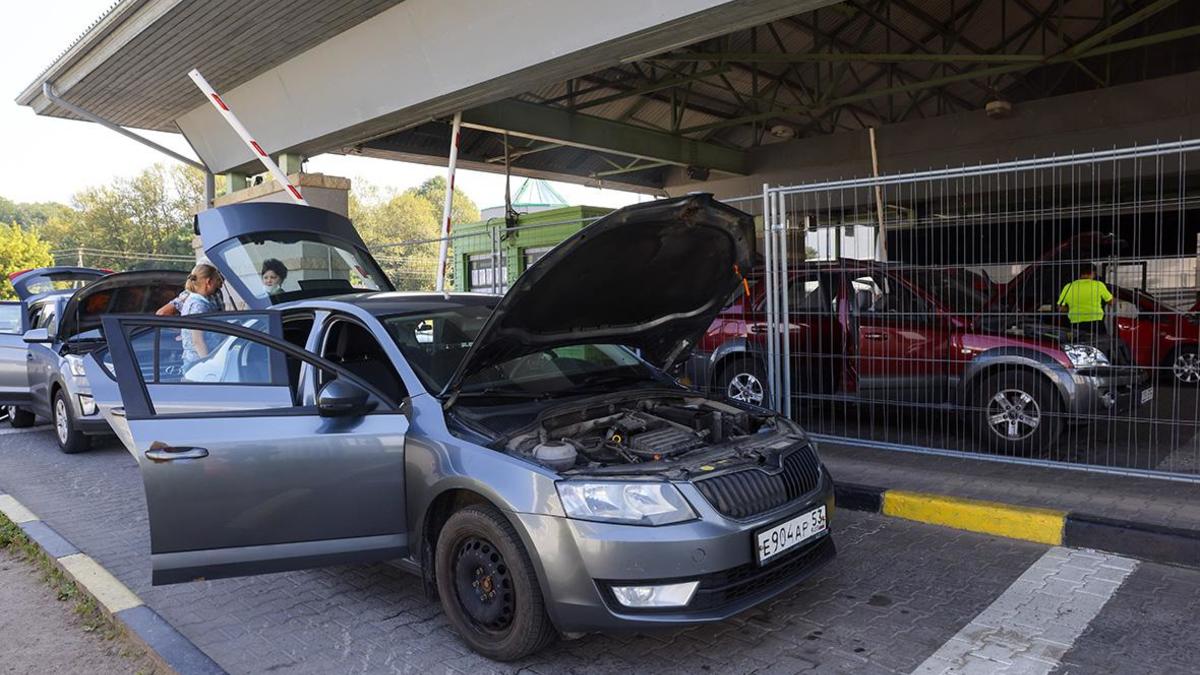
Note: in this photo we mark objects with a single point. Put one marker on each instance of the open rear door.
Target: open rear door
(243, 475)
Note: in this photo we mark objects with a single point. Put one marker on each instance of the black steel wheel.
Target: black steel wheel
(488, 586)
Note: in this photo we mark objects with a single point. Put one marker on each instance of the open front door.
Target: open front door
(14, 383)
(243, 473)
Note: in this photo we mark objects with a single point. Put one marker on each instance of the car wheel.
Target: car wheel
(488, 587)
(20, 419)
(1019, 414)
(744, 380)
(1185, 367)
(70, 440)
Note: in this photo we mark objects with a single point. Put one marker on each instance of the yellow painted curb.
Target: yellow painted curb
(1044, 526)
(113, 595)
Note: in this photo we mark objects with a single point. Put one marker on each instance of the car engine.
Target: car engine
(635, 432)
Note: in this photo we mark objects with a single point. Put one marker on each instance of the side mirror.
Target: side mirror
(342, 398)
(37, 336)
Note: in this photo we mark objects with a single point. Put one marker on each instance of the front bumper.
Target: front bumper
(579, 561)
(1107, 391)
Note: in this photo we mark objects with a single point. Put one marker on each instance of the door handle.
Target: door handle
(756, 328)
(875, 336)
(165, 453)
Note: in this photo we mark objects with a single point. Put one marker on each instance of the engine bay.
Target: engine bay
(654, 433)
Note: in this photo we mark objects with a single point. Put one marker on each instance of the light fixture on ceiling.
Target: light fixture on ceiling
(783, 131)
(999, 109)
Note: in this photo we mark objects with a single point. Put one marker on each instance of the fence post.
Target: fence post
(769, 293)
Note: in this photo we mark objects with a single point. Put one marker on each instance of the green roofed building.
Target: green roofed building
(488, 254)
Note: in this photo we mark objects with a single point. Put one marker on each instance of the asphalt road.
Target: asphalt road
(900, 597)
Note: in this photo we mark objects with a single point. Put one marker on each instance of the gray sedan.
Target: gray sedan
(526, 456)
(56, 322)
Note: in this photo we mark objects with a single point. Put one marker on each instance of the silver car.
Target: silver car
(54, 324)
(526, 456)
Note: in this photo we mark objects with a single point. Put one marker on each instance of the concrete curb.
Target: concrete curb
(1146, 541)
(174, 652)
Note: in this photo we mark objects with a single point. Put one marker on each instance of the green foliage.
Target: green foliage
(412, 219)
(462, 209)
(20, 250)
(148, 214)
(29, 215)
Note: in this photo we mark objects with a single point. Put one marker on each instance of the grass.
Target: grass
(92, 619)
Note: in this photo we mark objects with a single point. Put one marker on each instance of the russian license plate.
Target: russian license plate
(791, 533)
(1147, 395)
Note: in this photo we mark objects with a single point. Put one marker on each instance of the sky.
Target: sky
(48, 159)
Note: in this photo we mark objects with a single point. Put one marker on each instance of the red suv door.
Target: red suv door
(903, 346)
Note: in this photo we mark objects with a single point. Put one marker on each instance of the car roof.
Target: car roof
(397, 302)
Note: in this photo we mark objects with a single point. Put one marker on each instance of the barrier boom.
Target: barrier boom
(223, 108)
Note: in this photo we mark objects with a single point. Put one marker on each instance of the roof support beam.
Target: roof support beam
(555, 125)
(841, 57)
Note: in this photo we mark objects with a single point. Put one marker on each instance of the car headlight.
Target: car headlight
(75, 365)
(1085, 356)
(634, 503)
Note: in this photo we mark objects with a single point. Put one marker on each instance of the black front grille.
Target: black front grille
(749, 492)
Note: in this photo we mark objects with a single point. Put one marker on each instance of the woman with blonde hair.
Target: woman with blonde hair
(202, 286)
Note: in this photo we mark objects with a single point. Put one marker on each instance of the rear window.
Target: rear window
(284, 266)
(37, 284)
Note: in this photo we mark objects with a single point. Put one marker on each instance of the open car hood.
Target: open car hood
(651, 276)
(139, 292)
(1089, 245)
(321, 251)
(49, 279)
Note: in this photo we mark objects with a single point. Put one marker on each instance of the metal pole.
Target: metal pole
(210, 188)
(769, 291)
(454, 134)
(262, 156)
(881, 246)
(785, 310)
(48, 92)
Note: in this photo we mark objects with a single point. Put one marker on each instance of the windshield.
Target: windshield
(434, 343)
(282, 266)
(954, 289)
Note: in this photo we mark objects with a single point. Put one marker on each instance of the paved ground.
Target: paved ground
(898, 594)
(40, 634)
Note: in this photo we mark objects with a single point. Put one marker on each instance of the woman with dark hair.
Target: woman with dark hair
(273, 273)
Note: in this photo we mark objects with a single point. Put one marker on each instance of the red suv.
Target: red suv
(867, 331)
(1154, 334)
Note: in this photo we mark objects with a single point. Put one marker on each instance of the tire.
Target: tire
(1018, 413)
(1184, 366)
(488, 587)
(744, 380)
(20, 418)
(70, 440)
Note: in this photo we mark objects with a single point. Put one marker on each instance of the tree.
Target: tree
(29, 214)
(462, 208)
(403, 229)
(131, 220)
(20, 250)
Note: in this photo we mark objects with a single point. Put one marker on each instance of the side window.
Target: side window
(10, 318)
(353, 347)
(810, 295)
(881, 295)
(46, 318)
(185, 356)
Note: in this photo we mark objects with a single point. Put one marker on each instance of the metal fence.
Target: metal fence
(924, 311)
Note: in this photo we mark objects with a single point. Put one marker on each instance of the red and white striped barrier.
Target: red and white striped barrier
(215, 99)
